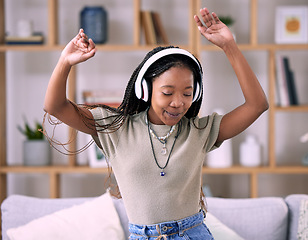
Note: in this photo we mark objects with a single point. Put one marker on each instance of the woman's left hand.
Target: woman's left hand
(213, 29)
(255, 103)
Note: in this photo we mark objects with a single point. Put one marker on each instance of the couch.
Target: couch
(260, 218)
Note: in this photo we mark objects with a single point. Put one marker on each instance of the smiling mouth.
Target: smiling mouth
(173, 115)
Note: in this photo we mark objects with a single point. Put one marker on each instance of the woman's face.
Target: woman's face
(172, 94)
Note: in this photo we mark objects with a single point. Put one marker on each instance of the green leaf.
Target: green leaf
(32, 133)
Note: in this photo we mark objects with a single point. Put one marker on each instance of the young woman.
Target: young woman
(155, 141)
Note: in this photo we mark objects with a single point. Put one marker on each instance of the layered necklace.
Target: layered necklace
(163, 140)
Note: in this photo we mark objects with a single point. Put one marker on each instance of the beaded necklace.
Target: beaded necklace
(163, 140)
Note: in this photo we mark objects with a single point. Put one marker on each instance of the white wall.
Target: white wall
(28, 74)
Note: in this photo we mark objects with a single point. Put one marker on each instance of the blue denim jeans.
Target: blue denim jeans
(191, 227)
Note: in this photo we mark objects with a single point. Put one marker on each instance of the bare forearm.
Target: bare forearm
(55, 98)
(255, 103)
(251, 88)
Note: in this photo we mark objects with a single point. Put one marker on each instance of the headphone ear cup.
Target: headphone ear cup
(197, 93)
(139, 90)
(146, 90)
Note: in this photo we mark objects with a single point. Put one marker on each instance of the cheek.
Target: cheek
(161, 103)
(188, 102)
(158, 99)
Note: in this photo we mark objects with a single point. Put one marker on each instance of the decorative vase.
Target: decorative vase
(221, 157)
(93, 20)
(36, 153)
(250, 152)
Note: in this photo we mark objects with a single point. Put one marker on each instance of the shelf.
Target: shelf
(100, 47)
(289, 170)
(89, 170)
(110, 47)
(53, 169)
(30, 48)
(256, 170)
(260, 47)
(233, 170)
(299, 108)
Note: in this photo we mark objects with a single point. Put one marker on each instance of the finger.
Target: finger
(207, 17)
(198, 21)
(216, 18)
(91, 45)
(89, 54)
(84, 37)
(200, 25)
(78, 36)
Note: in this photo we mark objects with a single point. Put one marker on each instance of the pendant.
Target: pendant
(162, 173)
(164, 151)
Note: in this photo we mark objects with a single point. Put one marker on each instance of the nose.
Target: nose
(177, 101)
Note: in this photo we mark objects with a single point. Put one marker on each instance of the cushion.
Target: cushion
(293, 201)
(119, 205)
(94, 219)
(17, 210)
(257, 218)
(303, 221)
(219, 230)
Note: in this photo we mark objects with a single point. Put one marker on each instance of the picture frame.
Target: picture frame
(291, 25)
(96, 157)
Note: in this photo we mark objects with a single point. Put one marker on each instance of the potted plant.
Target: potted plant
(36, 149)
(228, 20)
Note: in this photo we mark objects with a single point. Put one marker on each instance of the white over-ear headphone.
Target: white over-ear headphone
(141, 85)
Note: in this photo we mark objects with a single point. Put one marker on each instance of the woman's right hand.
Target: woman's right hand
(79, 49)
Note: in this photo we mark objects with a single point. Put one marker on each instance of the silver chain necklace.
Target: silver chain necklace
(162, 140)
(162, 173)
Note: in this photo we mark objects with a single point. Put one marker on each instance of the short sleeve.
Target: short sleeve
(106, 141)
(209, 129)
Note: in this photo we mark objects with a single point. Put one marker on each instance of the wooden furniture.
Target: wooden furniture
(194, 45)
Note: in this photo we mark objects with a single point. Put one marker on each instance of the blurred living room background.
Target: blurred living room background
(281, 168)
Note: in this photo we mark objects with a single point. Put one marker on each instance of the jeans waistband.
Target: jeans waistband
(167, 228)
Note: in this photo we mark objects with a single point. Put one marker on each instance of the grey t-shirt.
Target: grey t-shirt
(150, 198)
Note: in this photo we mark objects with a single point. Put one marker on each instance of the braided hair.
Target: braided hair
(132, 105)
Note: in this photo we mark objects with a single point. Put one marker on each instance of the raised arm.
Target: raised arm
(79, 49)
(255, 103)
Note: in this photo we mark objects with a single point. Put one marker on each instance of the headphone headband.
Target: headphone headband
(141, 89)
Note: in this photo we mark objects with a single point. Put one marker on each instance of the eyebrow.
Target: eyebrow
(171, 86)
